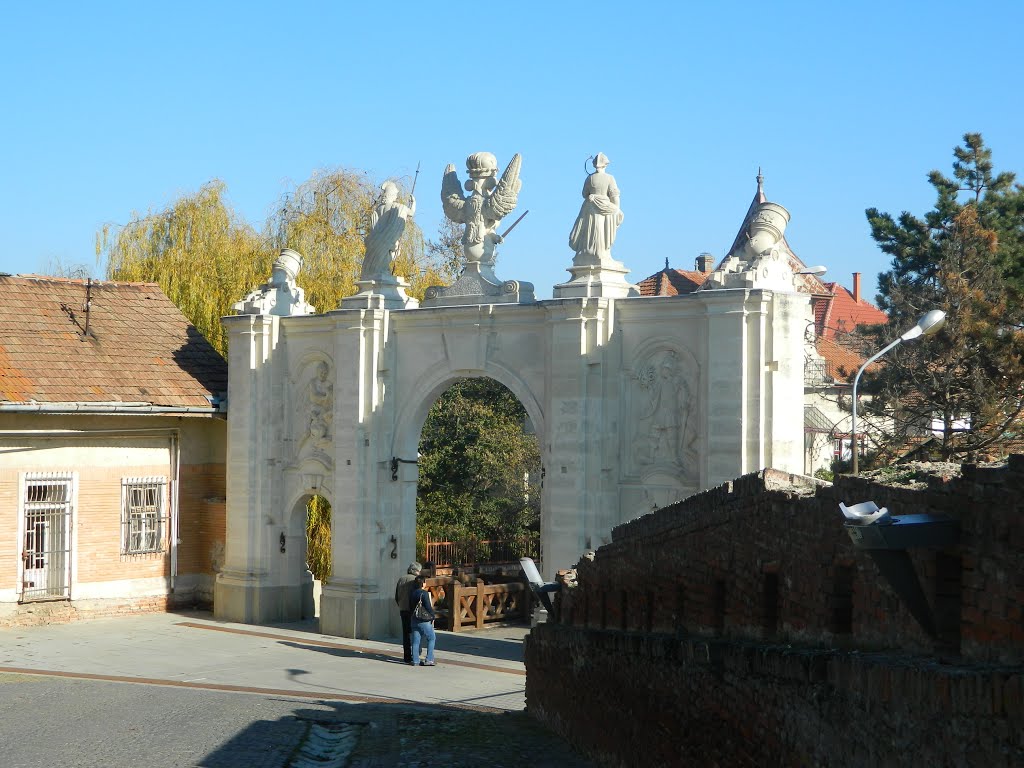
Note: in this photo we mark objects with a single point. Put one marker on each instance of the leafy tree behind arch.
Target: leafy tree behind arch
(479, 467)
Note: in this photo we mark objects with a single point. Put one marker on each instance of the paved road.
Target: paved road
(161, 690)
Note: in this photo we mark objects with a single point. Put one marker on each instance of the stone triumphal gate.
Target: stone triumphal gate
(636, 401)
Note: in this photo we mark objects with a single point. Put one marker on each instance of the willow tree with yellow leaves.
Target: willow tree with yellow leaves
(326, 220)
(205, 257)
(202, 255)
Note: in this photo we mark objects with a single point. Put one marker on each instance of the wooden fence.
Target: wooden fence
(465, 552)
(460, 606)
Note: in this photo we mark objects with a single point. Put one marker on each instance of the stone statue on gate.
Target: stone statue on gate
(378, 287)
(599, 218)
(761, 259)
(387, 225)
(280, 295)
(490, 200)
(594, 272)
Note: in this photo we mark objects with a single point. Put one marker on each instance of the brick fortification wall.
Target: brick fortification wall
(740, 627)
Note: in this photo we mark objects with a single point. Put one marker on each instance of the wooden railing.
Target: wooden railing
(460, 606)
(480, 551)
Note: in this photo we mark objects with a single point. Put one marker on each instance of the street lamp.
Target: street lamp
(929, 323)
(816, 270)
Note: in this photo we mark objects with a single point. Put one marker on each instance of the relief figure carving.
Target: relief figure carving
(662, 413)
(320, 407)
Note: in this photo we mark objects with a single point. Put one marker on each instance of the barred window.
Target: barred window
(815, 372)
(143, 514)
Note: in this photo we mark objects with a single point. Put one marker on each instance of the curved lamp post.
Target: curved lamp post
(929, 323)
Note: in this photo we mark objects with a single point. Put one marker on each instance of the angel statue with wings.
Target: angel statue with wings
(489, 201)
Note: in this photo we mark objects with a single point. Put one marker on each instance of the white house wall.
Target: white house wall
(99, 452)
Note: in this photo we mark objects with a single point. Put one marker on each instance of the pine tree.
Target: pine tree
(966, 257)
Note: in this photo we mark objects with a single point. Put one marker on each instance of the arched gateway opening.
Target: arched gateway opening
(478, 495)
(635, 401)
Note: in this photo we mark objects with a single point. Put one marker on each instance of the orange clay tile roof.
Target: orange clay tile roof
(140, 348)
(842, 355)
(843, 314)
(672, 282)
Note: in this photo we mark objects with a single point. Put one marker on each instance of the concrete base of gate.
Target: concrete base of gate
(348, 612)
(247, 601)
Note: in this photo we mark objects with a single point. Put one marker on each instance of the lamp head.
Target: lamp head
(930, 323)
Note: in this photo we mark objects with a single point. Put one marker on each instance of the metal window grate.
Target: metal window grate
(815, 373)
(46, 555)
(143, 515)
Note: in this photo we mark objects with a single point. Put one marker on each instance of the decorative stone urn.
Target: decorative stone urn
(289, 263)
(767, 227)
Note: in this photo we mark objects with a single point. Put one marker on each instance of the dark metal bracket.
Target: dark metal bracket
(395, 461)
(887, 544)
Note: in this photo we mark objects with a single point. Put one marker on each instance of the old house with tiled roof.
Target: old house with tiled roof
(677, 282)
(112, 451)
(838, 312)
(832, 354)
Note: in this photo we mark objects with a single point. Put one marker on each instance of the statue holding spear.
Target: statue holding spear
(388, 218)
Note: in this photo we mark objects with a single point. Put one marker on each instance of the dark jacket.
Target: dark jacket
(402, 591)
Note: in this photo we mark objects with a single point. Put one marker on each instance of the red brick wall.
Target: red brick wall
(97, 524)
(97, 545)
(741, 627)
(201, 517)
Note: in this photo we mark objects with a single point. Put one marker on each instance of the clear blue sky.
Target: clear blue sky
(115, 108)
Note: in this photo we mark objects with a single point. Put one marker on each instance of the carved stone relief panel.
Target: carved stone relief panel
(313, 424)
(663, 413)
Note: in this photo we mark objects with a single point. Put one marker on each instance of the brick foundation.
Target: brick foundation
(64, 611)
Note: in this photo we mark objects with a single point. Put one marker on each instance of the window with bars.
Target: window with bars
(815, 372)
(143, 515)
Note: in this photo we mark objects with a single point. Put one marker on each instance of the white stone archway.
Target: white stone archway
(636, 402)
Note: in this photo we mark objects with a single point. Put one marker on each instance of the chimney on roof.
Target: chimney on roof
(856, 287)
(705, 263)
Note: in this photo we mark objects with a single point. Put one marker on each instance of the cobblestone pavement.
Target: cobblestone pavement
(172, 690)
(50, 721)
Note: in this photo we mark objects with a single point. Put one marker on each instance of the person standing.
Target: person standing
(422, 617)
(403, 590)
